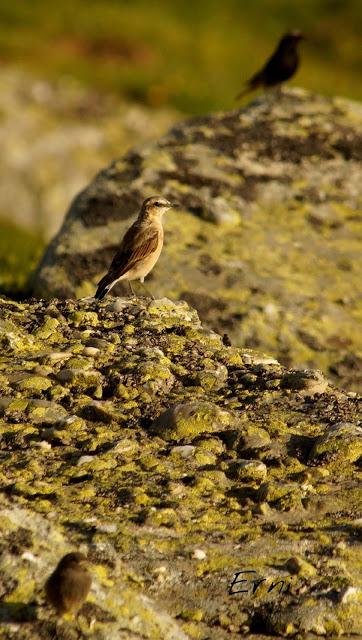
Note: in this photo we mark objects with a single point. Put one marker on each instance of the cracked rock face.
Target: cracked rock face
(132, 433)
(267, 244)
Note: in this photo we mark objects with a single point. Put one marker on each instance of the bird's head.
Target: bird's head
(73, 560)
(292, 38)
(156, 206)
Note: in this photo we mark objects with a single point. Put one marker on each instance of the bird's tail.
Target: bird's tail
(255, 82)
(243, 93)
(103, 287)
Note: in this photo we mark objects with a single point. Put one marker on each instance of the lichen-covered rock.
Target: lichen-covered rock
(342, 442)
(110, 444)
(248, 471)
(307, 382)
(267, 243)
(186, 421)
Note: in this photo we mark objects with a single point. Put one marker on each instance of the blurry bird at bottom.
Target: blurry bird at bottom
(68, 586)
(140, 248)
(281, 66)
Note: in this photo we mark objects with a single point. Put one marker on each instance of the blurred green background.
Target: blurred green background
(188, 56)
(192, 55)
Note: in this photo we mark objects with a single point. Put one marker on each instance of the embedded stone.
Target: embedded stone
(186, 421)
(247, 470)
(340, 443)
(307, 382)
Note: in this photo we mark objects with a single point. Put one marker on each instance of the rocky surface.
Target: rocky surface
(132, 433)
(268, 243)
(54, 137)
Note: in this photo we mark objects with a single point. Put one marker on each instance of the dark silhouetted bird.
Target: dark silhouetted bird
(281, 66)
(69, 584)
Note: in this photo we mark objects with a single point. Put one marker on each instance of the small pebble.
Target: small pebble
(185, 451)
(27, 555)
(350, 594)
(84, 460)
(90, 351)
(118, 305)
(44, 445)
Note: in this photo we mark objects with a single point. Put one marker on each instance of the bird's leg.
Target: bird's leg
(79, 626)
(58, 626)
(131, 289)
(142, 281)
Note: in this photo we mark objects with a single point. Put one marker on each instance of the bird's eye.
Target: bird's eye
(158, 204)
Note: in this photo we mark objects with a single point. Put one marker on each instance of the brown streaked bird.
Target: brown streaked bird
(281, 66)
(69, 584)
(140, 248)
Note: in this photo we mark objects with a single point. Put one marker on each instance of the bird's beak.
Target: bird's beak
(175, 205)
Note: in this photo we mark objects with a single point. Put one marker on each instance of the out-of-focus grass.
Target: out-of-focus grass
(192, 55)
(19, 252)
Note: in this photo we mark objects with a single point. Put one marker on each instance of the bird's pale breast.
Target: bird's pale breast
(143, 267)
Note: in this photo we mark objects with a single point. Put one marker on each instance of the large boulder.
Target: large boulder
(267, 245)
(132, 433)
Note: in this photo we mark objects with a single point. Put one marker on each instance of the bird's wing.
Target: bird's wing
(138, 243)
(74, 588)
(272, 63)
(257, 79)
